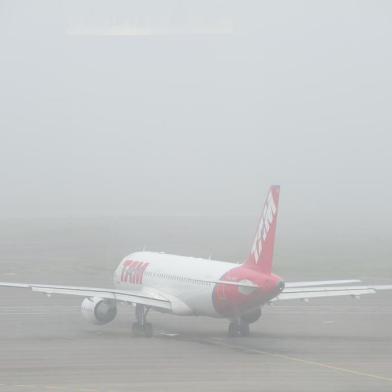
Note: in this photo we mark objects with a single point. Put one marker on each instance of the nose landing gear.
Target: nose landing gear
(238, 328)
(141, 327)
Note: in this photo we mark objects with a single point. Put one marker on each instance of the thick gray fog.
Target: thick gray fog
(195, 108)
(160, 125)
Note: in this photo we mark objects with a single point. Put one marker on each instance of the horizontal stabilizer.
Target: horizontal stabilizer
(320, 283)
(312, 294)
(249, 285)
(318, 292)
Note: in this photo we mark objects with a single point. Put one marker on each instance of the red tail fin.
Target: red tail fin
(261, 255)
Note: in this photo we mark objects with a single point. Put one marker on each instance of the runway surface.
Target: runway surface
(325, 345)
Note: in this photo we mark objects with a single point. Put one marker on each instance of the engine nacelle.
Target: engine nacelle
(99, 311)
(252, 316)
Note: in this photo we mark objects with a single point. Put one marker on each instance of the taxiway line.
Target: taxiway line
(306, 361)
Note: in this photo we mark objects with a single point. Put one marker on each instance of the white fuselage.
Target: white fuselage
(186, 281)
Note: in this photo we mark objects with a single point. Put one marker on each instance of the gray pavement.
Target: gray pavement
(328, 346)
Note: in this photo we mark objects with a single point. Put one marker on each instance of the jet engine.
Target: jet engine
(252, 316)
(99, 311)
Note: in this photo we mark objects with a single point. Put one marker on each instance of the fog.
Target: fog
(194, 108)
(160, 125)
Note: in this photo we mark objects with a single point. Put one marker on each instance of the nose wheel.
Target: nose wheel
(238, 328)
(141, 327)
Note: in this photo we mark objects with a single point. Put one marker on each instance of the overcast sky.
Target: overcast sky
(196, 107)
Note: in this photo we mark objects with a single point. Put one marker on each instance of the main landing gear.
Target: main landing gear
(141, 327)
(238, 328)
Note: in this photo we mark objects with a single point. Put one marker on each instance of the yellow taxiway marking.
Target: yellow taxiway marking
(310, 362)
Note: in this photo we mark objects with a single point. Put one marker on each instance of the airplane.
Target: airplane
(189, 286)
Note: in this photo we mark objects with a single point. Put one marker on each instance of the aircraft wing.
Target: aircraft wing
(148, 299)
(306, 293)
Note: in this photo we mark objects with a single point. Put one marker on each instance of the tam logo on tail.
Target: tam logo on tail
(261, 255)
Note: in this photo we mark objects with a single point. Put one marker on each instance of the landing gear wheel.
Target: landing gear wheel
(238, 329)
(244, 329)
(147, 329)
(142, 330)
(234, 329)
(136, 329)
(141, 327)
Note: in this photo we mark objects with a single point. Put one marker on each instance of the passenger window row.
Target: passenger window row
(176, 277)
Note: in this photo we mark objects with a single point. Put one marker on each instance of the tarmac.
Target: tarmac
(339, 344)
